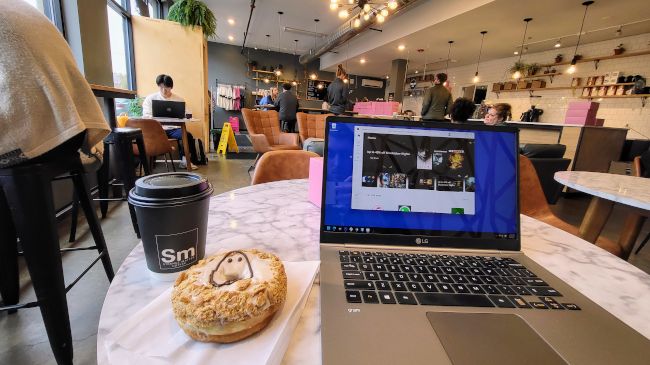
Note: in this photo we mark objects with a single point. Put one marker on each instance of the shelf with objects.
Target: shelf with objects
(596, 60)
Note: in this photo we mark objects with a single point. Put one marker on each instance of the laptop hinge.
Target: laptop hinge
(425, 249)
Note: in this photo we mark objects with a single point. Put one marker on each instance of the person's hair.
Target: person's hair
(462, 109)
(340, 72)
(286, 86)
(165, 80)
(504, 111)
(442, 77)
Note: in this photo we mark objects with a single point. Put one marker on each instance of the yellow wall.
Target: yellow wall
(164, 47)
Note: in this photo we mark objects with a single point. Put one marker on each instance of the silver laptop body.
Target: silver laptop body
(380, 214)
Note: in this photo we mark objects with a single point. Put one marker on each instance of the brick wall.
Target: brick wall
(616, 112)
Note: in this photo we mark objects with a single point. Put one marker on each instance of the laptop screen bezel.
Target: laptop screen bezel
(399, 240)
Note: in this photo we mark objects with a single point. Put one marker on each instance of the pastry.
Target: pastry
(229, 296)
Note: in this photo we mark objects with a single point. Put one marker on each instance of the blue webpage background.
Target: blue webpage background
(496, 188)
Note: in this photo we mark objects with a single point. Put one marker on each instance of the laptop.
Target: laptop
(421, 261)
(168, 109)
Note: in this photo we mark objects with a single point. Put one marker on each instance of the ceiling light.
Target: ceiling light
(401, 47)
(357, 23)
(366, 7)
(231, 38)
(313, 76)
(387, 77)
(231, 21)
(448, 57)
(343, 14)
(517, 74)
(366, 17)
(572, 68)
(278, 72)
(515, 53)
(363, 60)
(266, 80)
(558, 44)
(294, 83)
(320, 86)
(345, 81)
(392, 5)
(380, 18)
(333, 6)
(384, 12)
(478, 62)
(334, 1)
(350, 2)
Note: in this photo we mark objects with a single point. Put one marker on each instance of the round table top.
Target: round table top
(278, 217)
(629, 190)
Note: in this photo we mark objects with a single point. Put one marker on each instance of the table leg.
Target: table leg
(109, 103)
(186, 148)
(595, 218)
(630, 233)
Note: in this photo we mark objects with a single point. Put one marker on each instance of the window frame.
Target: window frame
(125, 11)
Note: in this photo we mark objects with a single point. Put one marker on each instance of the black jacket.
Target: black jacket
(337, 96)
(287, 105)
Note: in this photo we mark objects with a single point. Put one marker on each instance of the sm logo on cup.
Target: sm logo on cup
(177, 251)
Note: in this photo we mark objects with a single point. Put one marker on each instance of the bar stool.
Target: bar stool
(122, 139)
(27, 212)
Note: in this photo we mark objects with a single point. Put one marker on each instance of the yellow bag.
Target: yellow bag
(121, 120)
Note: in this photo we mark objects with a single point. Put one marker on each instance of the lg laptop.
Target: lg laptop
(421, 261)
(168, 109)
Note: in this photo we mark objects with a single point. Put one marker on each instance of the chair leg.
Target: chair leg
(143, 153)
(102, 181)
(254, 163)
(9, 276)
(643, 243)
(171, 159)
(74, 214)
(82, 192)
(125, 155)
(31, 195)
(166, 163)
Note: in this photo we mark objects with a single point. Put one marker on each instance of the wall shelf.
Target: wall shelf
(596, 60)
(621, 84)
(549, 75)
(531, 90)
(643, 97)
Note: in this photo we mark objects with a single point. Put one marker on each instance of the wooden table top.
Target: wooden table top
(112, 92)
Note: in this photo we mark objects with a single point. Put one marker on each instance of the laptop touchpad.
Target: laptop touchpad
(491, 338)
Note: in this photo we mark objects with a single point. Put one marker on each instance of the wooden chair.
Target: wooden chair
(641, 169)
(156, 142)
(264, 130)
(282, 165)
(311, 125)
(532, 202)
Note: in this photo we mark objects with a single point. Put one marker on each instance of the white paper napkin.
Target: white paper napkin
(152, 335)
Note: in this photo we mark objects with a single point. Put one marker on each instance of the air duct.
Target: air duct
(346, 32)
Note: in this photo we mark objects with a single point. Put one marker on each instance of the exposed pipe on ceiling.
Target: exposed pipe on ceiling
(346, 32)
(250, 16)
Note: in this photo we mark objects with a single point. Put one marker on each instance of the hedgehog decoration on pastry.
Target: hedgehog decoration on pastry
(234, 266)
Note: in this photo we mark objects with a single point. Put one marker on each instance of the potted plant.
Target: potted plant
(619, 49)
(135, 107)
(518, 67)
(558, 58)
(192, 13)
(532, 69)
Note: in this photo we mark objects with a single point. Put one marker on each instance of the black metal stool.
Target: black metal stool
(122, 139)
(27, 212)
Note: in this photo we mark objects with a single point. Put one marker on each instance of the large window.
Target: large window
(149, 8)
(119, 28)
(51, 9)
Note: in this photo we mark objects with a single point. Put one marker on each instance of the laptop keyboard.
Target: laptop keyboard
(444, 280)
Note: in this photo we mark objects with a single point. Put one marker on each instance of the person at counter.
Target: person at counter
(461, 110)
(269, 97)
(337, 92)
(287, 107)
(437, 100)
(165, 85)
(498, 114)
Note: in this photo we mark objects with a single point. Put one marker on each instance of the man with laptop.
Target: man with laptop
(421, 262)
(166, 104)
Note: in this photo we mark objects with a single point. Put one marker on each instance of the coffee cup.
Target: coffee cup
(172, 214)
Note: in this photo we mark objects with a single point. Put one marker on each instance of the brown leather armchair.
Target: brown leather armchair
(264, 130)
(532, 202)
(282, 165)
(311, 125)
(156, 142)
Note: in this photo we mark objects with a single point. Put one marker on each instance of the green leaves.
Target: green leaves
(194, 13)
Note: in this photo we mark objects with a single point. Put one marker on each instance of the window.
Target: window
(149, 8)
(51, 9)
(119, 29)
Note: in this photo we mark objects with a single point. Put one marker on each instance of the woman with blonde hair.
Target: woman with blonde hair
(337, 92)
(498, 114)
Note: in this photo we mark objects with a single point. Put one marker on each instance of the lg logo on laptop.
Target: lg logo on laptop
(420, 241)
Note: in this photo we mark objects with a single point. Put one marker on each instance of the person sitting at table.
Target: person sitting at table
(287, 106)
(165, 85)
(461, 110)
(269, 97)
(498, 114)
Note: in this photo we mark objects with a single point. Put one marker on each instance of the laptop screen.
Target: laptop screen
(391, 182)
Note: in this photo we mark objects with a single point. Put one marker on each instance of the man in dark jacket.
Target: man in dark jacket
(437, 100)
(287, 106)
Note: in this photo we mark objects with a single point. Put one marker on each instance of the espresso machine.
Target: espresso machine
(532, 115)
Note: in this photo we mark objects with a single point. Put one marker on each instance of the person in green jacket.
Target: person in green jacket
(437, 100)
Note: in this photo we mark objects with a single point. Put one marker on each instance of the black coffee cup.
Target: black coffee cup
(172, 212)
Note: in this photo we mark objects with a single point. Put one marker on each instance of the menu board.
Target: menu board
(314, 92)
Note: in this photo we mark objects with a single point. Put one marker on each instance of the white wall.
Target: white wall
(616, 112)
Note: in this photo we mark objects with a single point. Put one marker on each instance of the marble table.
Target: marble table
(606, 190)
(278, 217)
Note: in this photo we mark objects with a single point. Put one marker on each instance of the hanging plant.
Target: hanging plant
(518, 66)
(193, 13)
(532, 69)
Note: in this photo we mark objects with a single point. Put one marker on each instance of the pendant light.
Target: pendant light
(517, 73)
(268, 42)
(446, 83)
(313, 75)
(278, 72)
(572, 68)
(476, 78)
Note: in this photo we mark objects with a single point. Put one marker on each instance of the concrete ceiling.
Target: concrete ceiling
(297, 14)
(503, 19)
